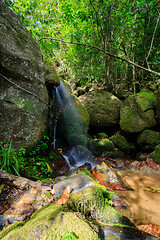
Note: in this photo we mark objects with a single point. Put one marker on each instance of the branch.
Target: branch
(105, 52)
(153, 36)
(21, 182)
(24, 89)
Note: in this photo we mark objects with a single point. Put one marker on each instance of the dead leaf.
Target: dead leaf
(64, 196)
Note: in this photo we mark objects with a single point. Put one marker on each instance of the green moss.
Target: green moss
(98, 146)
(102, 135)
(51, 76)
(120, 142)
(147, 95)
(114, 154)
(148, 139)
(53, 222)
(156, 154)
(8, 229)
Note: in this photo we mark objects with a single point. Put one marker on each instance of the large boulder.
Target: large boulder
(138, 113)
(23, 93)
(103, 108)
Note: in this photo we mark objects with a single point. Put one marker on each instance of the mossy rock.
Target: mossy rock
(114, 154)
(51, 222)
(51, 75)
(103, 108)
(102, 135)
(148, 139)
(138, 113)
(93, 202)
(98, 146)
(121, 143)
(156, 154)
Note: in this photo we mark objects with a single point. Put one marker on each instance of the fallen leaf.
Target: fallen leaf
(64, 196)
(48, 167)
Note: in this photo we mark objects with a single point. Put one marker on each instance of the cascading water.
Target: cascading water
(73, 130)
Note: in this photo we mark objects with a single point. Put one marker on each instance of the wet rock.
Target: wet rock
(23, 205)
(109, 178)
(76, 182)
(124, 233)
(150, 228)
(78, 156)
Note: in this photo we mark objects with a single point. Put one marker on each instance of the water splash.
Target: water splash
(78, 156)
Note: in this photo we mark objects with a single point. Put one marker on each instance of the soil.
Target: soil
(144, 200)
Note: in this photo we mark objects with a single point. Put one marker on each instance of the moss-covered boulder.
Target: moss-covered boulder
(148, 139)
(121, 143)
(98, 146)
(103, 108)
(51, 222)
(74, 122)
(156, 154)
(138, 113)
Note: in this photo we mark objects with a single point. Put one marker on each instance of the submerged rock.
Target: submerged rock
(124, 233)
(109, 178)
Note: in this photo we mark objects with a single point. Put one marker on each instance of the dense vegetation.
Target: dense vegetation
(97, 40)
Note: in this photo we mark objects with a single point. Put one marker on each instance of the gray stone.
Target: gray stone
(23, 93)
(76, 182)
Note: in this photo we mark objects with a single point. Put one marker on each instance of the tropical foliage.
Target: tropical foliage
(110, 34)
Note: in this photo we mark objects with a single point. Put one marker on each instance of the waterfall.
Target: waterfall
(72, 129)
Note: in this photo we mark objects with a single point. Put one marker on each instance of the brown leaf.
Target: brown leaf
(64, 196)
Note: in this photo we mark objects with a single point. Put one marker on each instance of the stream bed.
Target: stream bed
(144, 200)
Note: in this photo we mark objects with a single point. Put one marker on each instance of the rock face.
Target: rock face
(103, 108)
(23, 94)
(138, 113)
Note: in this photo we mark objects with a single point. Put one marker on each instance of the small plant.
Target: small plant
(9, 158)
(69, 236)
